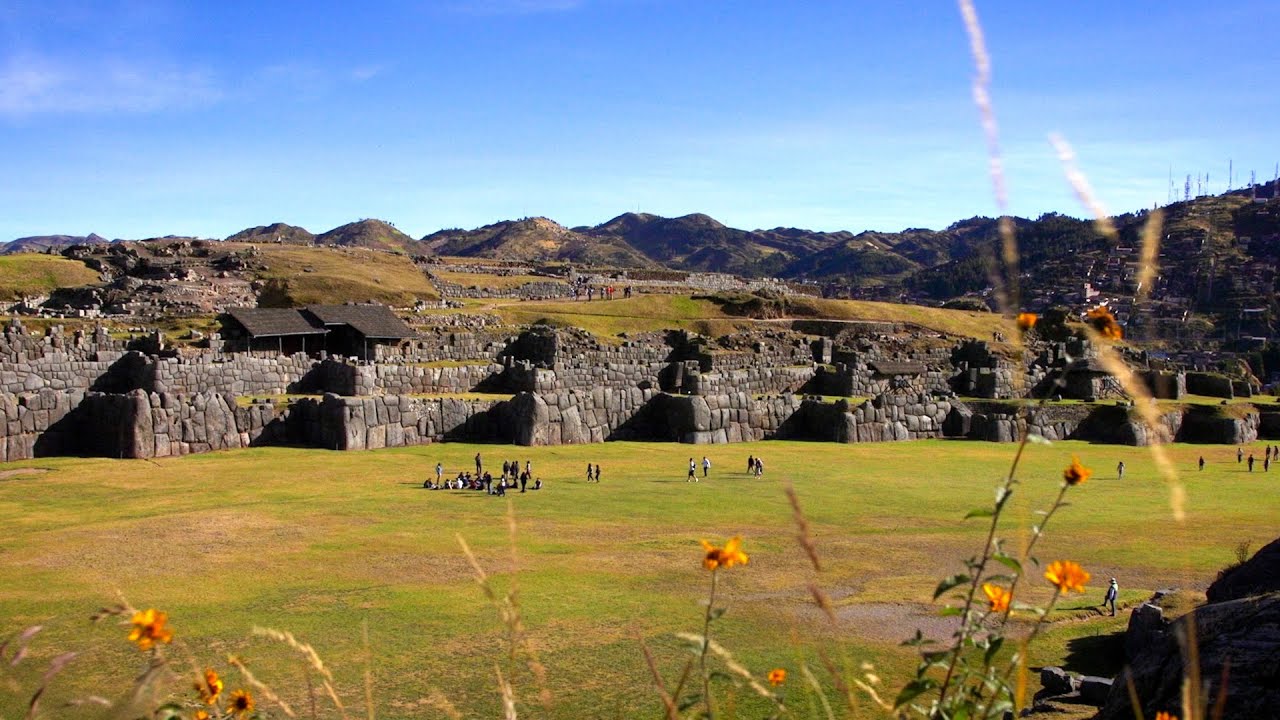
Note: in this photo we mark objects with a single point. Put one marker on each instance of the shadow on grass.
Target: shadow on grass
(1096, 654)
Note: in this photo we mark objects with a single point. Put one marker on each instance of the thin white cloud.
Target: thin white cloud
(37, 85)
(365, 72)
(515, 7)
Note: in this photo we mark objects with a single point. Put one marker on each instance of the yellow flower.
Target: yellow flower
(1104, 322)
(1026, 321)
(1075, 472)
(210, 688)
(200, 715)
(1067, 575)
(149, 629)
(777, 676)
(1162, 715)
(241, 703)
(728, 556)
(997, 596)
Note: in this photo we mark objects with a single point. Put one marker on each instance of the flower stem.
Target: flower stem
(1005, 489)
(706, 645)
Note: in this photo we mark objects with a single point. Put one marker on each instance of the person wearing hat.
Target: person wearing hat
(1113, 590)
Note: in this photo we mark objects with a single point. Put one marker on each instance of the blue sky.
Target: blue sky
(141, 118)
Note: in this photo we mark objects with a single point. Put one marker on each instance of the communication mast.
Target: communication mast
(1186, 189)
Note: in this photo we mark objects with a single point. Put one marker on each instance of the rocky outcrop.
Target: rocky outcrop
(1238, 637)
(1260, 574)
(1147, 627)
(1216, 424)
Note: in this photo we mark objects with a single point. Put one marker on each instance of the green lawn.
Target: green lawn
(318, 542)
(38, 274)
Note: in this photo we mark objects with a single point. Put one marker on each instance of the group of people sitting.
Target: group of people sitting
(511, 477)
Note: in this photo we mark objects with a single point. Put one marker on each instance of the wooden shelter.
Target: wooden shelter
(282, 330)
(355, 329)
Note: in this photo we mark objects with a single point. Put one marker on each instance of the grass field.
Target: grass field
(318, 542)
(656, 312)
(336, 275)
(492, 282)
(35, 274)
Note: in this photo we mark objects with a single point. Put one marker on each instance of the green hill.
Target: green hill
(377, 234)
(535, 240)
(275, 232)
(30, 274)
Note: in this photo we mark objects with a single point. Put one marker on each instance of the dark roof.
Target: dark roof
(887, 367)
(262, 322)
(371, 321)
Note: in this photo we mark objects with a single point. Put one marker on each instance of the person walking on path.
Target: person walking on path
(692, 476)
(706, 466)
(751, 464)
(1250, 462)
(1201, 463)
(597, 472)
(588, 472)
(1120, 470)
(1113, 590)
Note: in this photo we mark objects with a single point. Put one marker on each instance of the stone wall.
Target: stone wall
(381, 379)
(33, 424)
(1210, 384)
(438, 344)
(237, 374)
(19, 345)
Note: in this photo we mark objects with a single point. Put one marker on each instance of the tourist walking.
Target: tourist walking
(597, 472)
(751, 464)
(1201, 463)
(1239, 454)
(759, 467)
(477, 463)
(1113, 591)
(588, 472)
(706, 466)
(1250, 462)
(692, 476)
(1120, 470)
(439, 473)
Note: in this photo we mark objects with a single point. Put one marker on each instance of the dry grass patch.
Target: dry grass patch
(32, 274)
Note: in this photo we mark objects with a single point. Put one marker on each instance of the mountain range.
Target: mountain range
(923, 263)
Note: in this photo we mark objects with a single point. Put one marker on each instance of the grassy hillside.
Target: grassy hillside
(31, 274)
(318, 542)
(493, 282)
(656, 312)
(642, 313)
(302, 275)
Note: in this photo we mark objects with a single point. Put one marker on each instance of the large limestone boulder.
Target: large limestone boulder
(1261, 574)
(1242, 636)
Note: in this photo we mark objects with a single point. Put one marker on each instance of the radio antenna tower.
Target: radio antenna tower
(1170, 197)
(1186, 189)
